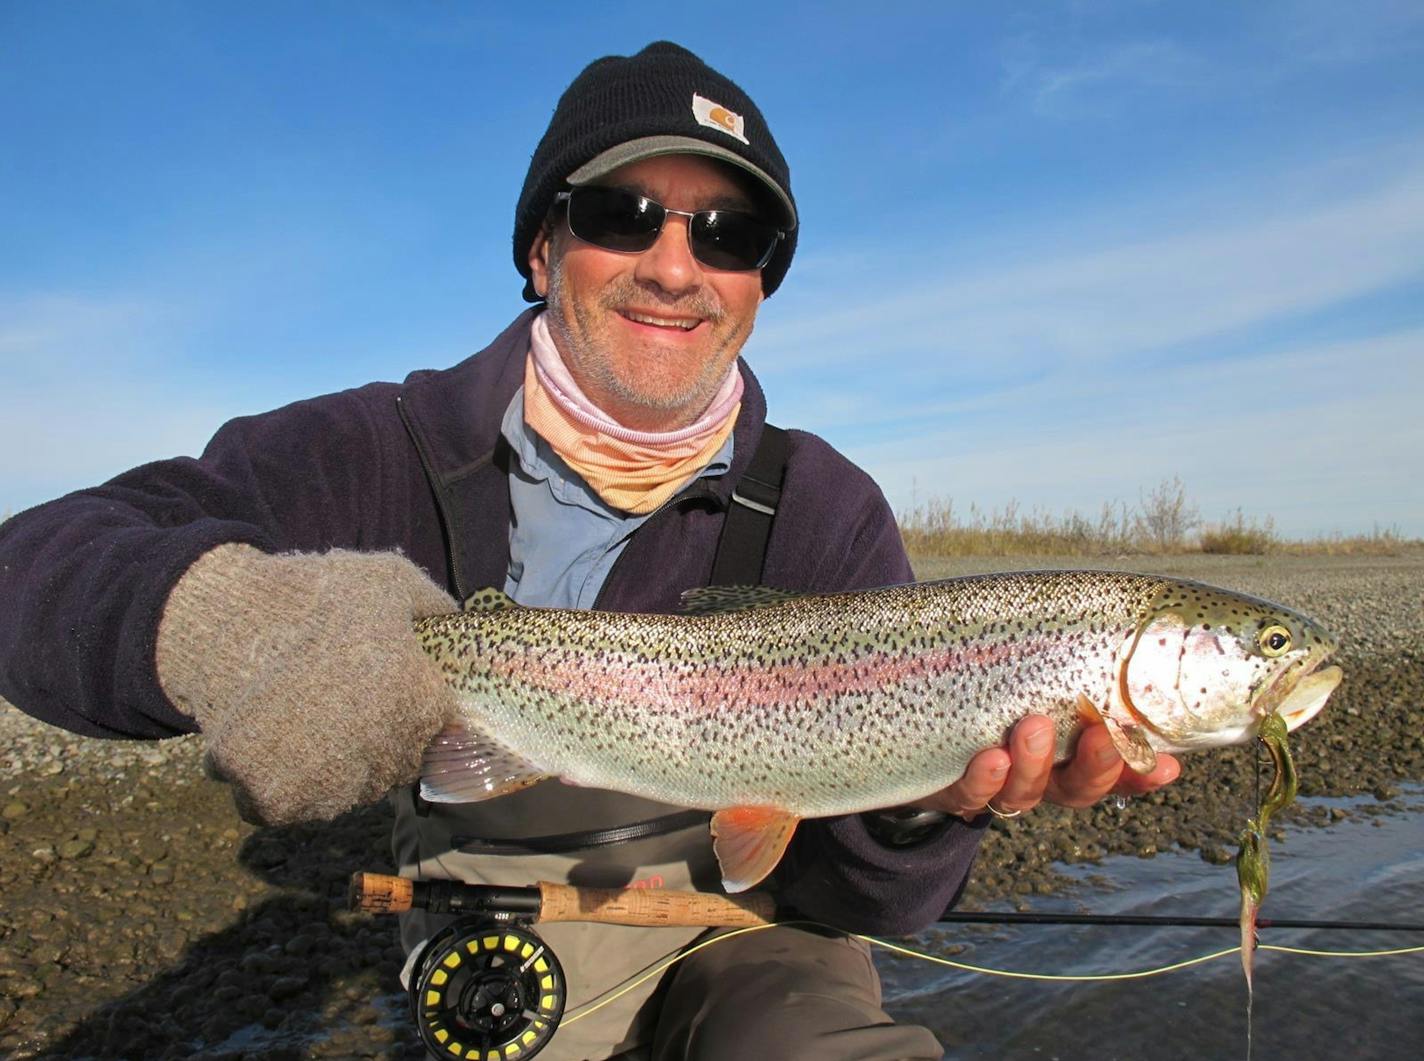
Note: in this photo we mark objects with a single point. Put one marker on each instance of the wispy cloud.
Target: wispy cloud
(1101, 81)
(1322, 437)
(92, 386)
(1098, 370)
(52, 334)
(1323, 32)
(1146, 290)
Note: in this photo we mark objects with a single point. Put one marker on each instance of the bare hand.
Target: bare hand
(1019, 777)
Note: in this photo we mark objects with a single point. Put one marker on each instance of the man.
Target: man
(264, 593)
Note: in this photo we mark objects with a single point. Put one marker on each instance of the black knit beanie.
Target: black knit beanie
(664, 100)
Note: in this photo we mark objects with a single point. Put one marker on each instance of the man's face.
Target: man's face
(649, 336)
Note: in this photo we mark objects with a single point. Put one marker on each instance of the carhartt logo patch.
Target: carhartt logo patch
(716, 116)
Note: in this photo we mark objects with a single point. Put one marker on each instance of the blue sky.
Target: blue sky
(1051, 252)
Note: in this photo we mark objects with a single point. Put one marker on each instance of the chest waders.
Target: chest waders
(483, 984)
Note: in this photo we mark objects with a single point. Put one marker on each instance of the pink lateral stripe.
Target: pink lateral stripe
(747, 684)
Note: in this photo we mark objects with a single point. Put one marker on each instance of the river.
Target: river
(1369, 867)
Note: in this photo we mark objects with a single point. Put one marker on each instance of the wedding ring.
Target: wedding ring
(996, 812)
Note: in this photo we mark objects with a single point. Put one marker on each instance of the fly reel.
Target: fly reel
(486, 991)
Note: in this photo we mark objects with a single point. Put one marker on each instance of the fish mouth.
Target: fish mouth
(1304, 701)
(1300, 693)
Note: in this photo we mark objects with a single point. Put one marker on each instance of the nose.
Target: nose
(669, 263)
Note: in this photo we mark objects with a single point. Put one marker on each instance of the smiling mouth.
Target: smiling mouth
(674, 324)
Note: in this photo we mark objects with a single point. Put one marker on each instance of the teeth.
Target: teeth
(661, 322)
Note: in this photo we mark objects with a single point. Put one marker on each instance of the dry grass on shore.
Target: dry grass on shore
(1163, 522)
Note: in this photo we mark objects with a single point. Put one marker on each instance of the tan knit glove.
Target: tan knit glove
(312, 692)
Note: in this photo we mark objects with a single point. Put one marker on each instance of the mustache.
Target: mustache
(627, 292)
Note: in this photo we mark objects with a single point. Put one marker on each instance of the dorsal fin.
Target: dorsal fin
(708, 600)
(489, 599)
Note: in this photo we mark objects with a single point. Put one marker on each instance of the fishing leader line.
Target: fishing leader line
(908, 952)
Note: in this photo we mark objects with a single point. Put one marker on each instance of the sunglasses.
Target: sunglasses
(619, 220)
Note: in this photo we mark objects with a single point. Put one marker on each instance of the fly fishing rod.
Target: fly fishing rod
(488, 987)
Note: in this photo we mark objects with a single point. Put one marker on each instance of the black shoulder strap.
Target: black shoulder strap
(741, 551)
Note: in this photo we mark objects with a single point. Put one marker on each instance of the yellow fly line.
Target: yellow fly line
(585, 1010)
(1139, 975)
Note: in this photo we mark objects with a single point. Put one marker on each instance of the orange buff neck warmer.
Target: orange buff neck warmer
(632, 471)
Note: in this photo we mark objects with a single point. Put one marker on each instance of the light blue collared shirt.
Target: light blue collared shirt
(563, 538)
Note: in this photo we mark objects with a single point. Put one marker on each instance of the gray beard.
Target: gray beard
(611, 300)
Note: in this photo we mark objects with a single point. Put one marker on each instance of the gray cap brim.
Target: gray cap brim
(652, 146)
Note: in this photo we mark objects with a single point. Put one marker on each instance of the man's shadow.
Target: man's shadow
(296, 976)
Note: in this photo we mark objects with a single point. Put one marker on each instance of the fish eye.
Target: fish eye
(1274, 640)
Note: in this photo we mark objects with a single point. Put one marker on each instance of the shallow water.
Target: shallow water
(1305, 1007)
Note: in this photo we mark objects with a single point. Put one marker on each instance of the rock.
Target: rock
(298, 945)
(285, 987)
(14, 809)
(381, 1034)
(171, 943)
(76, 848)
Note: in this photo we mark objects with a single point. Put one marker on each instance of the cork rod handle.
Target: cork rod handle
(378, 893)
(653, 907)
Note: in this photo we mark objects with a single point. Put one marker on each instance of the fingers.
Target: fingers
(1091, 774)
(982, 780)
(1031, 752)
(1131, 783)
(1012, 778)
(1017, 778)
(1097, 770)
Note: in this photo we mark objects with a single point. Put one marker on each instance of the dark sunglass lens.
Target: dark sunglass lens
(613, 218)
(726, 239)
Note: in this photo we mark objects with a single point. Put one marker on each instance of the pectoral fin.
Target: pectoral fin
(1127, 737)
(749, 842)
(462, 766)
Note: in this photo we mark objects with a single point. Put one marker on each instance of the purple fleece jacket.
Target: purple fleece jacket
(84, 578)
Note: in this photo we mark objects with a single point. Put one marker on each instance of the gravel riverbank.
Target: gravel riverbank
(143, 919)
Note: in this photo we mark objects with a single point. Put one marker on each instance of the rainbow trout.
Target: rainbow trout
(769, 707)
